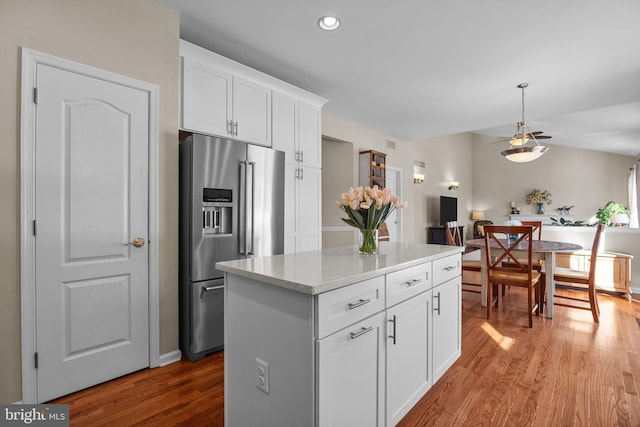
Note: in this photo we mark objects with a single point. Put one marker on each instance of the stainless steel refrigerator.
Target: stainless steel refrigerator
(231, 207)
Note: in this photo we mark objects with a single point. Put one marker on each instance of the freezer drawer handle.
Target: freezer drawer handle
(360, 303)
(206, 289)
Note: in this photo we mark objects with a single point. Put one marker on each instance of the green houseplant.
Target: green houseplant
(604, 214)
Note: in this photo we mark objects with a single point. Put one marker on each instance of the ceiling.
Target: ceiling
(415, 69)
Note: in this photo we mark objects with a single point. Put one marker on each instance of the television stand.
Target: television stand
(438, 235)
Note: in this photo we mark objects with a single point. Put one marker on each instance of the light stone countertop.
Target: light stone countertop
(315, 272)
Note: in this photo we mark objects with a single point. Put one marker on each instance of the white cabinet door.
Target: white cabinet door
(251, 112)
(290, 208)
(284, 125)
(309, 134)
(408, 355)
(351, 380)
(206, 98)
(309, 214)
(447, 333)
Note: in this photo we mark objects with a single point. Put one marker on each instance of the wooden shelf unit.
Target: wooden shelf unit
(373, 168)
(613, 270)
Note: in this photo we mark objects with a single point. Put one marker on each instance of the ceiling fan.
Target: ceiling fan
(518, 151)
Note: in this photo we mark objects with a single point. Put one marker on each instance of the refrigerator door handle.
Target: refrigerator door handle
(251, 210)
(242, 220)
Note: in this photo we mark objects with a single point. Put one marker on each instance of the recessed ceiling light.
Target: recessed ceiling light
(328, 23)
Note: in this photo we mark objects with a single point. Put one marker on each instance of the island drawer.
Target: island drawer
(341, 307)
(407, 283)
(446, 268)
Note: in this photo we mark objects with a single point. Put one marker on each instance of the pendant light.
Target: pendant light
(518, 150)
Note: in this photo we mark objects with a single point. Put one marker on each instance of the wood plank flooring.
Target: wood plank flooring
(567, 371)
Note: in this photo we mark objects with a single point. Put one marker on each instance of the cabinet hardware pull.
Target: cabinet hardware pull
(235, 128)
(413, 282)
(301, 156)
(437, 309)
(302, 173)
(297, 156)
(230, 127)
(361, 332)
(449, 268)
(361, 302)
(394, 329)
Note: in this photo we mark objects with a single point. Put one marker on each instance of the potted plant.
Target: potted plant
(611, 208)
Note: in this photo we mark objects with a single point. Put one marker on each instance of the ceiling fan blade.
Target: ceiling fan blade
(543, 137)
(536, 133)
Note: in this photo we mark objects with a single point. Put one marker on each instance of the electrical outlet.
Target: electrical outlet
(262, 375)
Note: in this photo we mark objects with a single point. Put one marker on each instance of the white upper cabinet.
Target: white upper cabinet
(218, 103)
(285, 125)
(206, 98)
(251, 112)
(296, 130)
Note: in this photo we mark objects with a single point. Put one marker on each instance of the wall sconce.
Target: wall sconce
(453, 185)
(418, 172)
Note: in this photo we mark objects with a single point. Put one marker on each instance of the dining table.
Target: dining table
(540, 249)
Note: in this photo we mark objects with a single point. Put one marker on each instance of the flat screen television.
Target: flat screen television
(448, 209)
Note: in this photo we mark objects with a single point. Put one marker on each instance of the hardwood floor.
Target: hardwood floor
(567, 371)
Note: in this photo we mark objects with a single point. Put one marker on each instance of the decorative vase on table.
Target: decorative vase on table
(366, 209)
(540, 208)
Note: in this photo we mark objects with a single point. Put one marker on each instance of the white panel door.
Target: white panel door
(285, 125)
(447, 328)
(91, 179)
(351, 386)
(251, 112)
(309, 210)
(408, 355)
(309, 133)
(206, 99)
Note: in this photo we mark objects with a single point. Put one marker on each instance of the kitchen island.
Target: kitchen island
(333, 337)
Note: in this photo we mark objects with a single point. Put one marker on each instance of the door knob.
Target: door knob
(138, 242)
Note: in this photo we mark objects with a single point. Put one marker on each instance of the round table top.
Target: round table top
(537, 246)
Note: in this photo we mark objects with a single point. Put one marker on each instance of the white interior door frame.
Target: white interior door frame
(399, 192)
(30, 60)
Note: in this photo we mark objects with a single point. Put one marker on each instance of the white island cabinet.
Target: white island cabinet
(335, 338)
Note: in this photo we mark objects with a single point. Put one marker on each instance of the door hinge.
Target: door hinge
(35, 95)
(35, 227)
(35, 357)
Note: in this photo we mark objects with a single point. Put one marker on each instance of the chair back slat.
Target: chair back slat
(537, 227)
(453, 233)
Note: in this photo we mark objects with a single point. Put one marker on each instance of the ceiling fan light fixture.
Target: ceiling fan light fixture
(329, 23)
(524, 154)
(517, 151)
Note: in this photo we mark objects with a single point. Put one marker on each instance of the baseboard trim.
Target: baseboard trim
(171, 357)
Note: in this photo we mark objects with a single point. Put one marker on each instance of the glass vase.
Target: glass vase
(540, 208)
(368, 241)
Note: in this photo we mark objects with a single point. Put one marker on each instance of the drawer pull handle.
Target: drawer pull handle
(361, 302)
(449, 268)
(206, 289)
(361, 332)
(394, 329)
(438, 298)
(413, 282)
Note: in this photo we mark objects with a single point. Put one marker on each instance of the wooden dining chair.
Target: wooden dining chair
(538, 264)
(579, 280)
(498, 249)
(470, 268)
